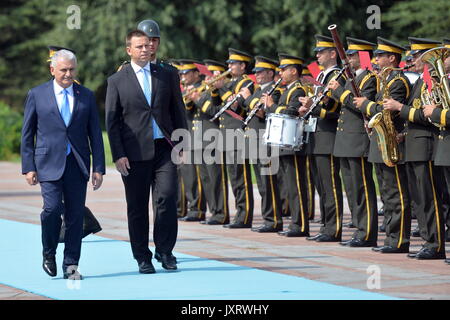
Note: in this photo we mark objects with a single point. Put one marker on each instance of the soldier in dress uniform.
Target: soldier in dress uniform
(442, 117)
(90, 223)
(352, 141)
(239, 169)
(309, 173)
(321, 144)
(213, 173)
(189, 173)
(394, 180)
(266, 176)
(292, 163)
(419, 139)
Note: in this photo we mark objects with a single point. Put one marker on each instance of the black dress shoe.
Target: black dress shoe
(313, 238)
(327, 238)
(168, 262)
(358, 243)
(190, 219)
(49, 266)
(381, 212)
(382, 228)
(346, 242)
(146, 267)
(291, 233)
(72, 273)
(266, 229)
(390, 249)
(447, 261)
(237, 225)
(213, 222)
(349, 225)
(415, 233)
(158, 257)
(429, 254)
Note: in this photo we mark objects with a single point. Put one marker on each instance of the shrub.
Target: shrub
(10, 132)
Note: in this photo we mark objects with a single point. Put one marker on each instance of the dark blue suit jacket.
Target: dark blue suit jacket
(45, 136)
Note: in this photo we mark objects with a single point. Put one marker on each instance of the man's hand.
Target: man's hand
(358, 101)
(428, 109)
(392, 105)
(266, 100)
(306, 102)
(400, 137)
(195, 96)
(31, 178)
(122, 165)
(97, 180)
(333, 85)
(235, 104)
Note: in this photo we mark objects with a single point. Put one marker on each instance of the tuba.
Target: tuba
(440, 91)
(384, 126)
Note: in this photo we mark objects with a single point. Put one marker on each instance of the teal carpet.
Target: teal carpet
(110, 272)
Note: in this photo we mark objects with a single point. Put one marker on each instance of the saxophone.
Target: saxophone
(383, 124)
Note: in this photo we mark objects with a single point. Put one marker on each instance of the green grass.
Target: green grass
(108, 156)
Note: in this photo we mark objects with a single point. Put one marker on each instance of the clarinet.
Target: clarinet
(319, 99)
(228, 104)
(259, 105)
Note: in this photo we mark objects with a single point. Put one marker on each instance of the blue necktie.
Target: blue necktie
(148, 95)
(65, 113)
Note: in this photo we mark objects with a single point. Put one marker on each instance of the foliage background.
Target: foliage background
(189, 29)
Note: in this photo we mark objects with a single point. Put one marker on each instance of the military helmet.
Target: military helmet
(150, 27)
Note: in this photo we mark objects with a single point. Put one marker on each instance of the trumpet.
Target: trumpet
(206, 86)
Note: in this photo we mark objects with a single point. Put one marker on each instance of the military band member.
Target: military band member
(239, 170)
(190, 172)
(418, 157)
(213, 173)
(352, 142)
(394, 84)
(292, 163)
(266, 178)
(325, 165)
(309, 172)
(442, 160)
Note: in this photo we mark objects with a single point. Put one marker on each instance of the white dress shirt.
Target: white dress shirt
(59, 94)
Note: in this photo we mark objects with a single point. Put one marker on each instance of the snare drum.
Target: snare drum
(284, 131)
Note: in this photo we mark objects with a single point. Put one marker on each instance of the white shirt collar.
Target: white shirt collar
(137, 68)
(58, 89)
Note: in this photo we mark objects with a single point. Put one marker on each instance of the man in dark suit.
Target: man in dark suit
(60, 130)
(143, 107)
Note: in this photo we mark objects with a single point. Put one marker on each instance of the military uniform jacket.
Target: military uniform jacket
(288, 103)
(442, 117)
(399, 89)
(322, 141)
(419, 139)
(351, 136)
(200, 113)
(233, 87)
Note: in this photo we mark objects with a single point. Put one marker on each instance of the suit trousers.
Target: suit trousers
(397, 209)
(70, 188)
(363, 200)
(270, 197)
(215, 180)
(294, 167)
(329, 187)
(160, 176)
(239, 173)
(428, 203)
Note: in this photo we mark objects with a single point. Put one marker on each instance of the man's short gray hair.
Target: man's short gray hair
(63, 55)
